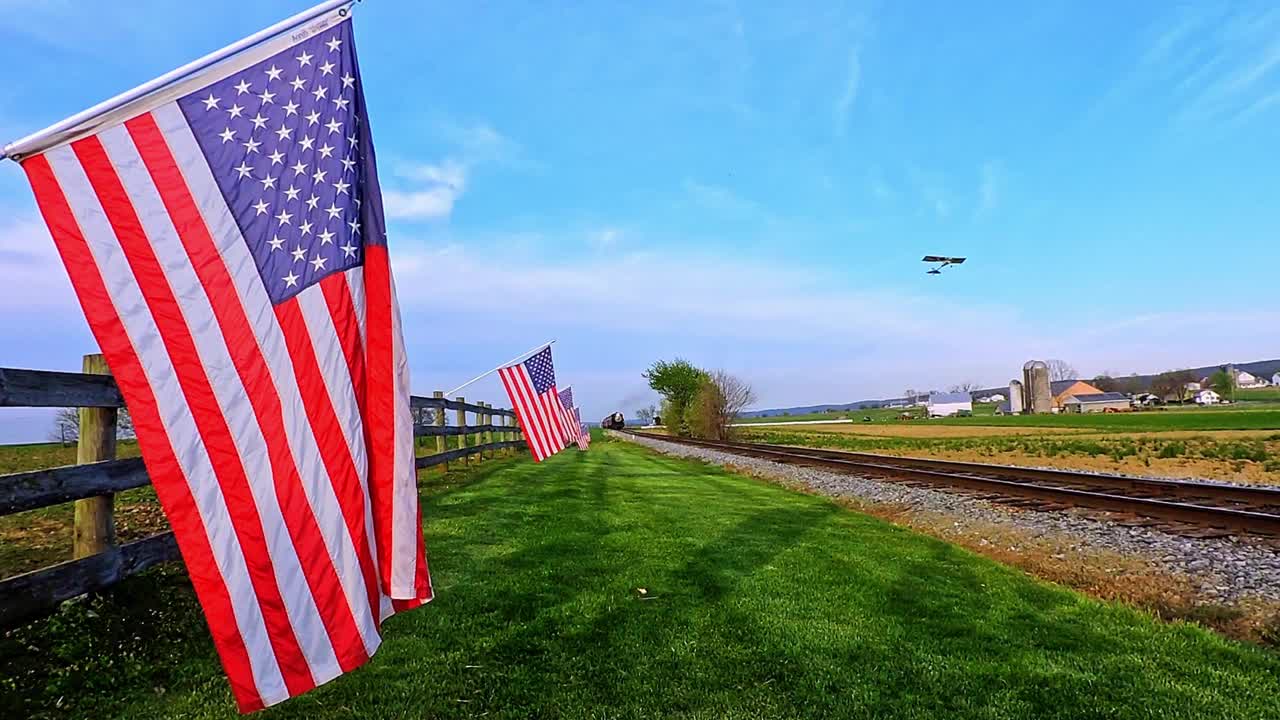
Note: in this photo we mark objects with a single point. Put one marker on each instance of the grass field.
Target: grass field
(1266, 394)
(760, 602)
(1245, 416)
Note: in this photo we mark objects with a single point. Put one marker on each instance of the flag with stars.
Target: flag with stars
(569, 425)
(225, 237)
(531, 385)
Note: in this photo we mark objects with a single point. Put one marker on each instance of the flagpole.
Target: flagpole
(512, 361)
(15, 148)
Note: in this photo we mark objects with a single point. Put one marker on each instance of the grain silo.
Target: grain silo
(1035, 385)
(1015, 397)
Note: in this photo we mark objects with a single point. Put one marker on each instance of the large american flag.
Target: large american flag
(531, 385)
(225, 237)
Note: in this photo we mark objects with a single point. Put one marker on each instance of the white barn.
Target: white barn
(1208, 397)
(948, 404)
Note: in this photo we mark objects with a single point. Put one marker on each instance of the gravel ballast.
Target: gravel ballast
(1224, 569)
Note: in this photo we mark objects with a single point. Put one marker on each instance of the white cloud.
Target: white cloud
(438, 188)
(801, 334)
(604, 238)
(849, 94)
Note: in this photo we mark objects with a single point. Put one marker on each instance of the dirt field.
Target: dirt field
(926, 430)
(1249, 473)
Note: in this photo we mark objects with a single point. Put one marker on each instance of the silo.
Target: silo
(1035, 381)
(1015, 397)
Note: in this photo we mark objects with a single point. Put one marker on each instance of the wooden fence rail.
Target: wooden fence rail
(98, 561)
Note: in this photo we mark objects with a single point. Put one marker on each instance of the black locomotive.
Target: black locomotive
(613, 422)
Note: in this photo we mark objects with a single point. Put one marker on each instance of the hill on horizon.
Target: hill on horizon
(1261, 368)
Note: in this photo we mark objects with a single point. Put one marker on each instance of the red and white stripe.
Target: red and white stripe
(279, 439)
(535, 412)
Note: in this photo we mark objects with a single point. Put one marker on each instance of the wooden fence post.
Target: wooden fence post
(440, 443)
(509, 435)
(95, 529)
(488, 434)
(462, 423)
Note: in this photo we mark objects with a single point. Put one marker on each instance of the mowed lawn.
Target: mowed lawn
(758, 602)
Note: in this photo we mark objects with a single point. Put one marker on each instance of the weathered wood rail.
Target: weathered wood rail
(97, 560)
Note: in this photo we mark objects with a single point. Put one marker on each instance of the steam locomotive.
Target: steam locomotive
(613, 422)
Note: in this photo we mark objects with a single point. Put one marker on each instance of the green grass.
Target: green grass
(1265, 394)
(765, 603)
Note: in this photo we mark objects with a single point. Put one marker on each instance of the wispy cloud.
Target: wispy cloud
(430, 191)
(1204, 67)
(860, 342)
(604, 238)
(844, 104)
(720, 198)
(435, 190)
(933, 190)
(990, 185)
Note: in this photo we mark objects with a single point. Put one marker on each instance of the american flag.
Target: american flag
(584, 435)
(225, 237)
(531, 385)
(568, 422)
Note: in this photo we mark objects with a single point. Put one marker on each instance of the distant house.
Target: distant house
(947, 404)
(1248, 380)
(1275, 379)
(1063, 389)
(1147, 399)
(1095, 402)
(1208, 397)
(994, 398)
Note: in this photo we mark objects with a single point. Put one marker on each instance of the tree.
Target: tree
(719, 400)
(1106, 383)
(967, 386)
(66, 425)
(1223, 383)
(677, 382)
(1062, 370)
(1173, 384)
(646, 414)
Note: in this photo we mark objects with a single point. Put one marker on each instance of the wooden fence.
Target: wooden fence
(97, 560)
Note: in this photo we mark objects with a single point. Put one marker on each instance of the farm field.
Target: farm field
(757, 602)
(1246, 456)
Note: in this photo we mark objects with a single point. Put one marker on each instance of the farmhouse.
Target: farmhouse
(947, 404)
(1063, 389)
(1208, 397)
(1095, 402)
(1275, 379)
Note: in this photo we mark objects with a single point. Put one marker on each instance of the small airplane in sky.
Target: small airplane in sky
(941, 259)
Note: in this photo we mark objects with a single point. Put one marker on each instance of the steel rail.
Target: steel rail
(915, 469)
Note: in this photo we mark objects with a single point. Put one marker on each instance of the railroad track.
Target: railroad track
(1198, 509)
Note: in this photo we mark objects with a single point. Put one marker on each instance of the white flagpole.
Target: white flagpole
(512, 361)
(16, 148)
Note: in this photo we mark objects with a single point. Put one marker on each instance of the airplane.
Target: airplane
(941, 259)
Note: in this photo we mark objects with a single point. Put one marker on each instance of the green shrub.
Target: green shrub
(1173, 449)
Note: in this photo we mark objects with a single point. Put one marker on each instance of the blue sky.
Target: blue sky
(752, 186)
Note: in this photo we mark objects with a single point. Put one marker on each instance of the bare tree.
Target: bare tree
(1062, 370)
(968, 386)
(646, 414)
(720, 399)
(66, 425)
